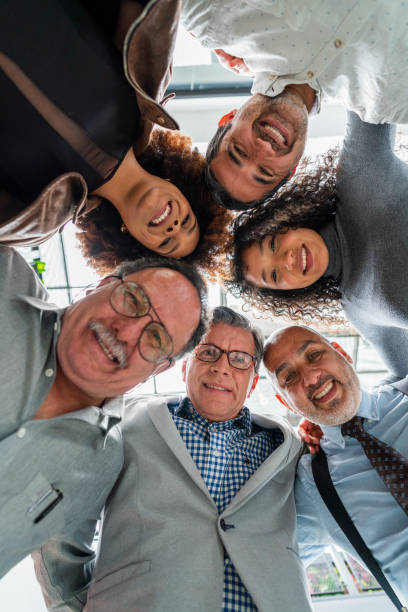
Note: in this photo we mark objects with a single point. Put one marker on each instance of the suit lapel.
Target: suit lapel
(161, 419)
(273, 464)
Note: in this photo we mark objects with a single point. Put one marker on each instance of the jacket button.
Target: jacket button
(160, 120)
(310, 74)
(225, 526)
(337, 43)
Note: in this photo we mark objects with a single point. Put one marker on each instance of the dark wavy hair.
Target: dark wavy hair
(309, 202)
(169, 155)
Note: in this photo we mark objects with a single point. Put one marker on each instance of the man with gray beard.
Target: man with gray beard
(365, 441)
(62, 379)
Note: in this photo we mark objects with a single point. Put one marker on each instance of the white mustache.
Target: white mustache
(112, 347)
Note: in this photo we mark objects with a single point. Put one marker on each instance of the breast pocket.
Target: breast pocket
(32, 504)
(28, 519)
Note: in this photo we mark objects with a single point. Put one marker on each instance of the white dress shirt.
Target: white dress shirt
(352, 52)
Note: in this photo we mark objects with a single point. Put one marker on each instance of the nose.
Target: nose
(311, 376)
(129, 329)
(289, 260)
(173, 227)
(222, 365)
(264, 148)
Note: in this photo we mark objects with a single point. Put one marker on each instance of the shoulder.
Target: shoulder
(17, 277)
(138, 407)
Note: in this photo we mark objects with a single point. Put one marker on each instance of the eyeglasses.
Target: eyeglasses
(130, 300)
(211, 353)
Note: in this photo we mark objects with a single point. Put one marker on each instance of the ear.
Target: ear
(227, 118)
(254, 383)
(284, 402)
(340, 350)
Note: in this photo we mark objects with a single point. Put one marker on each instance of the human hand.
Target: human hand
(310, 434)
(230, 62)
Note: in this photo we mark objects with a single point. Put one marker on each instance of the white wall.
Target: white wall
(19, 590)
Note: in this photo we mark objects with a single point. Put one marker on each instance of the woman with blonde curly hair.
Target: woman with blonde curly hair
(336, 238)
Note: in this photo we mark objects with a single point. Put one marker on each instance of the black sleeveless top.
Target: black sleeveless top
(65, 104)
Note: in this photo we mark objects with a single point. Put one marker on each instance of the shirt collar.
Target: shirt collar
(40, 304)
(187, 411)
(367, 409)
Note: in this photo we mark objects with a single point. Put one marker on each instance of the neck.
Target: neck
(305, 92)
(126, 178)
(64, 397)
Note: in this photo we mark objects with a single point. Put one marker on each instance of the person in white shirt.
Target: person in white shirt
(300, 54)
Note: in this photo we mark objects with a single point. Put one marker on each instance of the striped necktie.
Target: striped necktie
(389, 463)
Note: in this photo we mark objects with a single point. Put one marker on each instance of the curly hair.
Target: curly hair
(169, 155)
(309, 202)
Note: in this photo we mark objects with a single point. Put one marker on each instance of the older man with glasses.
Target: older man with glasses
(202, 516)
(62, 379)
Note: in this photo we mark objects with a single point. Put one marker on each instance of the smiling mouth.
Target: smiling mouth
(305, 259)
(274, 133)
(216, 387)
(163, 214)
(277, 133)
(111, 346)
(326, 392)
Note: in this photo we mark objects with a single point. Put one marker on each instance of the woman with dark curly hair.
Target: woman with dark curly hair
(170, 156)
(75, 128)
(336, 238)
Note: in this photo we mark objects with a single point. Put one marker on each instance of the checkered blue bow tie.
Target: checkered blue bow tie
(389, 463)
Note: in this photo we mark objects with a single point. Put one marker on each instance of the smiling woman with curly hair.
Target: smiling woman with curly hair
(336, 238)
(169, 156)
(81, 148)
(309, 203)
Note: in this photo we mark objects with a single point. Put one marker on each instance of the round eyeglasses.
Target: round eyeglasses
(211, 353)
(129, 299)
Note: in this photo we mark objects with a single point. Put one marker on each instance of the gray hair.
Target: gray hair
(220, 195)
(130, 267)
(223, 314)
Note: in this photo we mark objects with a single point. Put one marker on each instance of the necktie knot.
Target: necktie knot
(353, 428)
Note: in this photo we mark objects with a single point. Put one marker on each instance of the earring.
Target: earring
(123, 228)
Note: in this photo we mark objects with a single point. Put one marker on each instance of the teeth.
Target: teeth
(304, 259)
(275, 132)
(215, 387)
(111, 346)
(324, 392)
(164, 214)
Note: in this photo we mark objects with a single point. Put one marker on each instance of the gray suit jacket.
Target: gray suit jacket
(163, 543)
